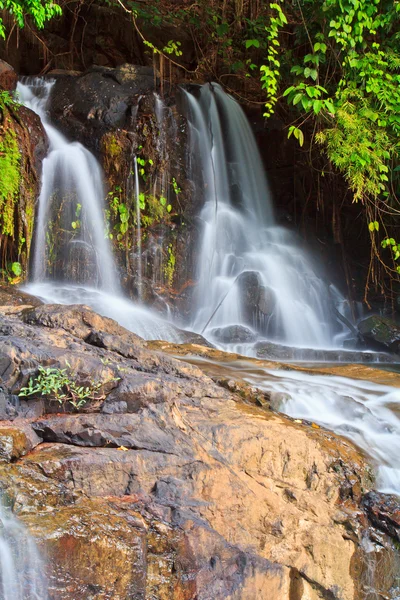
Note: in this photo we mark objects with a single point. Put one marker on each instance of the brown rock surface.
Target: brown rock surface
(8, 77)
(191, 492)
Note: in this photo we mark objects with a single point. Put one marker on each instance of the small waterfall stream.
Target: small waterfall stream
(243, 251)
(70, 242)
(138, 230)
(21, 568)
(75, 265)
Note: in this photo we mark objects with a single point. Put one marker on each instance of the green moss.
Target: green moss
(111, 146)
(10, 179)
(169, 268)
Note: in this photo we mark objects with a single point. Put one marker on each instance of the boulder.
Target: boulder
(257, 301)
(234, 334)
(272, 351)
(8, 77)
(88, 105)
(381, 333)
(384, 512)
(188, 490)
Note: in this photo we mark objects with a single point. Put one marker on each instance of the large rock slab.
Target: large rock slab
(381, 332)
(190, 492)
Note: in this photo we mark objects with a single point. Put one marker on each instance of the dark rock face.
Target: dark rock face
(384, 513)
(234, 334)
(119, 114)
(86, 106)
(381, 332)
(8, 77)
(170, 486)
(258, 301)
(271, 351)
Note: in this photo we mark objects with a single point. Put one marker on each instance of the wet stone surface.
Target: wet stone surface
(172, 485)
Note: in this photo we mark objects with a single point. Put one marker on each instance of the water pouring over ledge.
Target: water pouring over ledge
(76, 265)
(242, 246)
(21, 568)
(69, 231)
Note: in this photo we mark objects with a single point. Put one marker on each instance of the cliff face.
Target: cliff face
(23, 146)
(166, 485)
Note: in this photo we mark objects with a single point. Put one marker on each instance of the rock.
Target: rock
(384, 512)
(8, 77)
(258, 301)
(381, 332)
(10, 295)
(191, 491)
(234, 334)
(82, 322)
(272, 351)
(107, 431)
(86, 106)
(16, 441)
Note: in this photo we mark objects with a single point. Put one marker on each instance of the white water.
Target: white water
(134, 317)
(21, 568)
(240, 235)
(366, 413)
(138, 231)
(72, 175)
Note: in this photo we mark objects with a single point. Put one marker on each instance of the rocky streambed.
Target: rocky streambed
(170, 484)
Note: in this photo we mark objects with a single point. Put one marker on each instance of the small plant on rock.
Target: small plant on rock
(59, 385)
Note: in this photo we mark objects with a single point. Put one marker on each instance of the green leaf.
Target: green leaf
(250, 43)
(16, 268)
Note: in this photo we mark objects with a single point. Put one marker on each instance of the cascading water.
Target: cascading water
(74, 265)
(70, 242)
(21, 568)
(138, 230)
(245, 257)
(365, 412)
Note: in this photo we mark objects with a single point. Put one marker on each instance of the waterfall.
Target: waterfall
(70, 243)
(138, 231)
(21, 568)
(251, 272)
(75, 265)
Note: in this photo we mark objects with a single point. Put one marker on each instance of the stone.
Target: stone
(258, 301)
(234, 334)
(8, 77)
(16, 441)
(193, 490)
(381, 332)
(273, 351)
(384, 512)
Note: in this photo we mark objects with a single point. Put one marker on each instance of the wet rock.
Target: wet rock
(10, 295)
(258, 301)
(381, 333)
(8, 77)
(272, 351)
(384, 512)
(16, 441)
(187, 491)
(88, 105)
(234, 334)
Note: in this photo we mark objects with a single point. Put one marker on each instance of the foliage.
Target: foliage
(59, 385)
(10, 166)
(39, 11)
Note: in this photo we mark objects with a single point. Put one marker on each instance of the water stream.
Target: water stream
(21, 568)
(72, 257)
(70, 242)
(365, 412)
(251, 272)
